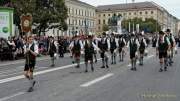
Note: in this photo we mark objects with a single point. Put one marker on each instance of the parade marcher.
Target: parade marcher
(61, 47)
(173, 45)
(121, 44)
(163, 46)
(142, 48)
(133, 45)
(104, 46)
(95, 51)
(76, 46)
(52, 50)
(113, 48)
(31, 51)
(89, 48)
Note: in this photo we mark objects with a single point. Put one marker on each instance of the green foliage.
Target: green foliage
(47, 14)
(149, 25)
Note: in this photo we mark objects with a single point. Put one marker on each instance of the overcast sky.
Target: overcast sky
(173, 6)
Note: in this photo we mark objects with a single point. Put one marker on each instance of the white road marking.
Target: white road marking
(96, 80)
(11, 96)
(38, 73)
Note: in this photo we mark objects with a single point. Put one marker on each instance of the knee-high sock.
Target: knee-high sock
(103, 61)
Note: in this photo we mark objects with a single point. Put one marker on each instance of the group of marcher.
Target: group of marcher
(89, 46)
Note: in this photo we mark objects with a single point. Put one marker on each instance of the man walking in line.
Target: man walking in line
(162, 48)
(52, 50)
(31, 51)
(122, 44)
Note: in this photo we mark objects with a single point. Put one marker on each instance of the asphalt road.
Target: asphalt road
(66, 83)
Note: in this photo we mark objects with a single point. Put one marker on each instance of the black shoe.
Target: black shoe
(107, 66)
(165, 68)
(34, 82)
(73, 62)
(112, 63)
(160, 70)
(30, 89)
(86, 71)
(135, 69)
(103, 67)
(52, 65)
(77, 66)
(132, 69)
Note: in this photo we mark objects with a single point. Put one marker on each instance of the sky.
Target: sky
(172, 6)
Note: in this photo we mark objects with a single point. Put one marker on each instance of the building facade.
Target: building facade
(141, 10)
(81, 19)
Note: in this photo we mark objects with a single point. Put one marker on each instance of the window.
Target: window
(146, 12)
(124, 14)
(79, 12)
(134, 13)
(129, 13)
(140, 13)
(99, 28)
(69, 21)
(99, 21)
(104, 15)
(109, 14)
(99, 15)
(104, 22)
(76, 11)
(79, 22)
(152, 12)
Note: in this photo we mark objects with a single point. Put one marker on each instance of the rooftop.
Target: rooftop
(125, 6)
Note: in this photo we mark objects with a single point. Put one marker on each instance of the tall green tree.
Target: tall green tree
(47, 14)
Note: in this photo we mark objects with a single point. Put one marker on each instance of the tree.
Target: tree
(47, 14)
(149, 25)
(105, 27)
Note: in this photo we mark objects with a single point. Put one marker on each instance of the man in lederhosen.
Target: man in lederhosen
(95, 41)
(142, 48)
(122, 44)
(76, 46)
(172, 46)
(133, 45)
(162, 48)
(31, 51)
(52, 50)
(89, 48)
(104, 46)
(113, 48)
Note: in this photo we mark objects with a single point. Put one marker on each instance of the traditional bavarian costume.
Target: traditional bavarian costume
(89, 48)
(104, 46)
(162, 47)
(133, 45)
(113, 46)
(30, 58)
(142, 48)
(52, 51)
(121, 43)
(76, 50)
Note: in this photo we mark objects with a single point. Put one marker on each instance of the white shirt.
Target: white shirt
(167, 39)
(72, 44)
(94, 45)
(132, 40)
(104, 39)
(122, 39)
(35, 48)
(144, 41)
